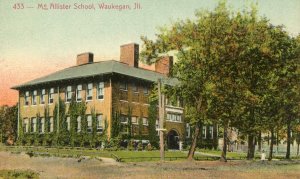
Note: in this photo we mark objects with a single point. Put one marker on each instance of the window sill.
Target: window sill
(174, 121)
(123, 101)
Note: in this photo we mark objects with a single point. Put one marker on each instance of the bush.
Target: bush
(140, 146)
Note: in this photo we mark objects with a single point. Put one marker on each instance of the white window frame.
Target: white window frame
(89, 124)
(99, 126)
(89, 92)
(69, 93)
(26, 98)
(68, 121)
(42, 96)
(100, 91)
(78, 124)
(51, 96)
(145, 121)
(33, 124)
(51, 126)
(204, 132)
(26, 125)
(34, 97)
(42, 126)
(134, 120)
(79, 93)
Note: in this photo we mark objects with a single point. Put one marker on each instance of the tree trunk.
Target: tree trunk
(288, 147)
(251, 147)
(194, 143)
(224, 151)
(259, 141)
(271, 145)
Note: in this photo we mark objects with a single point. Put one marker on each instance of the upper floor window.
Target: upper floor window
(89, 92)
(25, 125)
(145, 121)
(26, 98)
(174, 117)
(51, 123)
(204, 132)
(146, 90)
(135, 88)
(123, 85)
(100, 90)
(79, 124)
(69, 94)
(89, 123)
(68, 123)
(51, 95)
(33, 124)
(78, 93)
(34, 97)
(43, 94)
(99, 123)
(42, 125)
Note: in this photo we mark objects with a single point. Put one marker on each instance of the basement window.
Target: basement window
(89, 92)
(51, 95)
(26, 98)
(100, 90)
(42, 99)
(99, 123)
(78, 93)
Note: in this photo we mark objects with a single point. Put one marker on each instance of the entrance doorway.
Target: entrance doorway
(173, 140)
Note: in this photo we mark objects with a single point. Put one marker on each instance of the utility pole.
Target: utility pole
(161, 105)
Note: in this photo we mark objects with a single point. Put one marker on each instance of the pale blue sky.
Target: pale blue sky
(36, 42)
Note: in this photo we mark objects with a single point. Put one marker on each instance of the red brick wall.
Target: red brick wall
(164, 65)
(129, 54)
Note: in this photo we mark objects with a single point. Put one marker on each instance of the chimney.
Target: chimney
(129, 54)
(85, 58)
(164, 65)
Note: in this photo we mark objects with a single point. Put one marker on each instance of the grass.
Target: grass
(18, 174)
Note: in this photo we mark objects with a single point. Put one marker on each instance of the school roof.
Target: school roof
(99, 68)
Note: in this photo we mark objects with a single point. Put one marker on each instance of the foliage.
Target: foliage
(152, 117)
(8, 124)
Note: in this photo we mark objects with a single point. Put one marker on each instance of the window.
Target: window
(100, 90)
(145, 121)
(34, 96)
(99, 123)
(51, 95)
(188, 130)
(69, 94)
(210, 132)
(51, 128)
(204, 132)
(146, 90)
(174, 117)
(25, 125)
(124, 119)
(89, 123)
(42, 99)
(135, 88)
(68, 123)
(33, 124)
(157, 126)
(78, 93)
(134, 120)
(78, 123)
(89, 92)
(123, 86)
(42, 125)
(26, 98)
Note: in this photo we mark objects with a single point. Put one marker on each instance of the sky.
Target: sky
(35, 42)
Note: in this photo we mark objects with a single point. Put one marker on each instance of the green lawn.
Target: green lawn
(18, 174)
